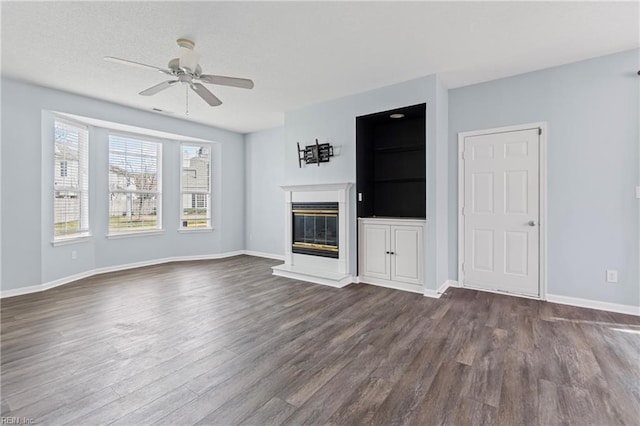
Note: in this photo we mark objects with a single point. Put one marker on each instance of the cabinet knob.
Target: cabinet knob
(388, 252)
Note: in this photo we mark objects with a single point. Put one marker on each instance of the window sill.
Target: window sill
(119, 235)
(194, 230)
(63, 241)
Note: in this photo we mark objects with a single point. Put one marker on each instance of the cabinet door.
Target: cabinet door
(376, 246)
(406, 260)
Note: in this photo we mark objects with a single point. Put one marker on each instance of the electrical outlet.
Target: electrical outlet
(74, 254)
(612, 276)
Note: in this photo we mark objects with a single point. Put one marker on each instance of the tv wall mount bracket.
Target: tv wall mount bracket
(318, 153)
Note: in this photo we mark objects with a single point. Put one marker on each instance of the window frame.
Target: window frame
(132, 232)
(83, 189)
(183, 192)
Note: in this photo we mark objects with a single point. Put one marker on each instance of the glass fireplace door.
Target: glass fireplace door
(315, 229)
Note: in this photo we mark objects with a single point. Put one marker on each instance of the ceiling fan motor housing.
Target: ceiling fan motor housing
(174, 66)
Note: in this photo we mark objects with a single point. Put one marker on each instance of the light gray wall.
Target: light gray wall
(334, 122)
(28, 258)
(264, 198)
(442, 189)
(592, 110)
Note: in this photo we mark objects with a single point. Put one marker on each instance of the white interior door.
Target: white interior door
(501, 212)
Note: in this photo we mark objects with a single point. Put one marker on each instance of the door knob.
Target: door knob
(531, 223)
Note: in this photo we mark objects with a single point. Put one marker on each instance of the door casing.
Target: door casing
(542, 205)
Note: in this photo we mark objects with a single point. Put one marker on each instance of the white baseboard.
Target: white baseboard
(265, 255)
(594, 304)
(413, 288)
(434, 294)
(408, 287)
(66, 280)
(440, 291)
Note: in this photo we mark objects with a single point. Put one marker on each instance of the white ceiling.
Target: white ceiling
(298, 53)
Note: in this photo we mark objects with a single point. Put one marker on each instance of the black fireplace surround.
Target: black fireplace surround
(315, 229)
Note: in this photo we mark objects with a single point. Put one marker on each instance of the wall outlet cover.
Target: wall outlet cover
(612, 276)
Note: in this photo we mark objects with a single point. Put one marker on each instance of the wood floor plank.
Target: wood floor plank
(273, 413)
(156, 410)
(328, 399)
(519, 399)
(225, 342)
(439, 404)
(473, 413)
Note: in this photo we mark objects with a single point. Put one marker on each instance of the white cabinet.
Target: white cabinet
(391, 253)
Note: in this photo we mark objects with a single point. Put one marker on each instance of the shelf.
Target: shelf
(399, 180)
(402, 148)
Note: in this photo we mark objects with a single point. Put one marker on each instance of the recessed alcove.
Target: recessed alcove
(391, 163)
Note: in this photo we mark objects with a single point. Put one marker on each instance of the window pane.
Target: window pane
(195, 210)
(66, 211)
(196, 186)
(132, 211)
(195, 169)
(70, 179)
(134, 182)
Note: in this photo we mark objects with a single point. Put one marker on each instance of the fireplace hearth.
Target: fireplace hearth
(315, 229)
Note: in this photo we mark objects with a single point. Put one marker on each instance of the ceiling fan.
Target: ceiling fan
(186, 70)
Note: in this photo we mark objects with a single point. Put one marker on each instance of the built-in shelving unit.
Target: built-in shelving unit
(391, 163)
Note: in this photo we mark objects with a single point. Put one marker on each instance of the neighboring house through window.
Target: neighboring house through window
(71, 180)
(134, 183)
(195, 186)
(63, 168)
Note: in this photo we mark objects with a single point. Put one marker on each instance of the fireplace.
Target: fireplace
(317, 235)
(315, 229)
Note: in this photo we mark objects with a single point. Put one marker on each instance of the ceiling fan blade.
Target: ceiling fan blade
(205, 94)
(158, 87)
(135, 64)
(243, 83)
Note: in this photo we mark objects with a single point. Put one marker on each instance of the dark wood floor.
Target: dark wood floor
(224, 342)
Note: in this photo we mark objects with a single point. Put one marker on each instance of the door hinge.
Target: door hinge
(464, 155)
(539, 131)
(463, 211)
(463, 268)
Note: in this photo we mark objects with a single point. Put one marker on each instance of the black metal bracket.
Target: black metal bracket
(318, 153)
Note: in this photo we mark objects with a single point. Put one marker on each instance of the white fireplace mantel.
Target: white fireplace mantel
(319, 270)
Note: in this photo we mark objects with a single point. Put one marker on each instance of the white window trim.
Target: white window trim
(75, 239)
(85, 234)
(183, 230)
(129, 234)
(209, 228)
(159, 229)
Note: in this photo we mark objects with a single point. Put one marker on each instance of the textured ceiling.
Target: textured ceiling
(298, 53)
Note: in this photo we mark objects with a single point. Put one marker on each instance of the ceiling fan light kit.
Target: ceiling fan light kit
(186, 70)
